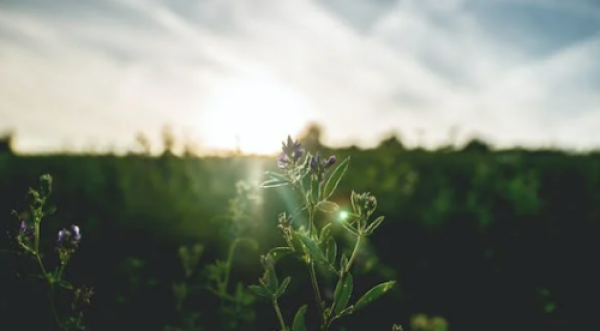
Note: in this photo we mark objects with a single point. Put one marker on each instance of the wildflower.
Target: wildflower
(25, 232)
(363, 203)
(69, 237)
(283, 160)
(319, 166)
(292, 152)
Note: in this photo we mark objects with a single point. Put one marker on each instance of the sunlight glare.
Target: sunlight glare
(254, 112)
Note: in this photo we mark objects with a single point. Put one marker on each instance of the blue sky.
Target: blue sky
(96, 72)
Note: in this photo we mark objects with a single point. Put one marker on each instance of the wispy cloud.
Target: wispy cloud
(498, 68)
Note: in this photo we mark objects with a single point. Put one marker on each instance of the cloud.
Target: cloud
(499, 68)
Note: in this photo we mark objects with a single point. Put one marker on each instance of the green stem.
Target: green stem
(229, 262)
(313, 273)
(53, 305)
(353, 256)
(279, 316)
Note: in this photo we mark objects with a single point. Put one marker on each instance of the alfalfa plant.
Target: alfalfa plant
(235, 302)
(28, 238)
(315, 180)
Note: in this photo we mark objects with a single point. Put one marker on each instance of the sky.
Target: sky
(92, 74)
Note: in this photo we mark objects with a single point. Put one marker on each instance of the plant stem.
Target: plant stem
(53, 305)
(353, 256)
(279, 316)
(229, 261)
(312, 271)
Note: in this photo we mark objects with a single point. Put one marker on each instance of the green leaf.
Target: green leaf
(313, 250)
(328, 206)
(343, 291)
(335, 178)
(325, 231)
(275, 175)
(344, 262)
(297, 243)
(376, 223)
(348, 227)
(374, 294)
(279, 252)
(299, 324)
(347, 311)
(274, 183)
(331, 250)
(283, 287)
(259, 291)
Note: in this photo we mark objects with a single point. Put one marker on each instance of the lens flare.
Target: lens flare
(343, 215)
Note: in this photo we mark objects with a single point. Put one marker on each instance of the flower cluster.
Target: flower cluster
(291, 153)
(319, 167)
(69, 237)
(364, 204)
(315, 180)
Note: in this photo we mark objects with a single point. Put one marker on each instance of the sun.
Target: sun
(253, 112)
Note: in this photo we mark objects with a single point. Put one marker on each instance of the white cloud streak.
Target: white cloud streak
(417, 64)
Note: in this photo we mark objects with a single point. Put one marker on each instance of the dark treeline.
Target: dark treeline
(489, 240)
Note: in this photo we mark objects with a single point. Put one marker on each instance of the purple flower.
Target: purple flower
(283, 160)
(69, 237)
(292, 150)
(331, 161)
(24, 230)
(75, 232)
(319, 166)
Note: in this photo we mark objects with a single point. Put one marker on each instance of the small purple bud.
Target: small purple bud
(75, 232)
(23, 227)
(298, 152)
(61, 236)
(283, 160)
(331, 161)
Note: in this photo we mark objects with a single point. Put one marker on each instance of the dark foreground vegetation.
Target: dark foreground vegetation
(475, 239)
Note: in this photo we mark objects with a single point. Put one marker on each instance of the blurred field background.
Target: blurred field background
(475, 123)
(486, 239)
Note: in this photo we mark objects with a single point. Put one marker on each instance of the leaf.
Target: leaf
(343, 262)
(275, 175)
(348, 227)
(347, 311)
(274, 183)
(376, 223)
(335, 178)
(374, 294)
(279, 252)
(314, 252)
(328, 206)
(299, 324)
(297, 243)
(331, 250)
(343, 291)
(325, 232)
(283, 287)
(259, 291)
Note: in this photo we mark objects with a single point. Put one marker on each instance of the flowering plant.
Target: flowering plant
(314, 179)
(68, 239)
